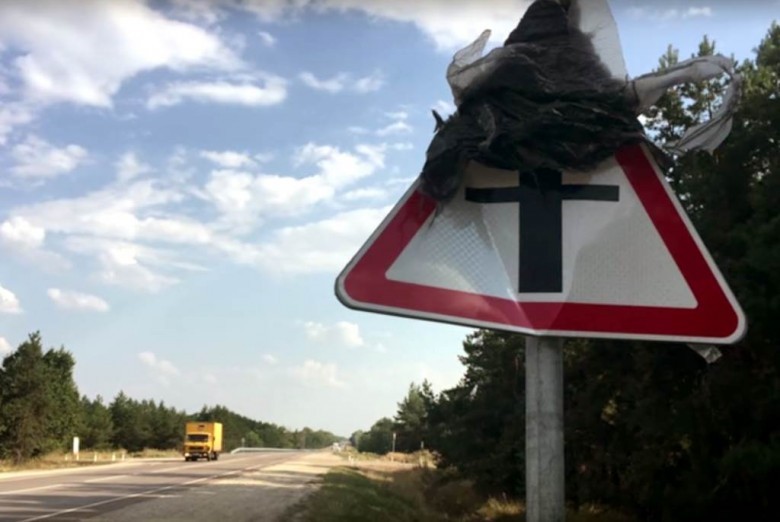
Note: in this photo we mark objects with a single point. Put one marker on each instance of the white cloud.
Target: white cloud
(337, 167)
(365, 193)
(129, 265)
(228, 159)
(263, 157)
(397, 115)
(267, 38)
(111, 212)
(12, 116)
(129, 167)
(5, 347)
(372, 82)
(69, 300)
(444, 108)
(449, 24)
(121, 268)
(244, 198)
(398, 127)
(400, 146)
(109, 224)
(25, 240)
(162, 368)
(58, 61)
(208, 12)
(270, 359)
(134, 239)
(332, 85)
(341, 333)
(213, 11)
(272, 90)
(9, 303)
(319, 247)
(693, 12)
(344, 82)
(20, 233)
(317, 374)
(36, 158)
(670, 14)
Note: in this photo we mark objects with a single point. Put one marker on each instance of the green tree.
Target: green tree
(167, 426)
(354, 439)
(132, 423)
(97, 427)
(379, 439)
(39, 405)
(64, 416)
(252, 440)
(24, 401)
(479, 426)
(652, 428)
(411, 419)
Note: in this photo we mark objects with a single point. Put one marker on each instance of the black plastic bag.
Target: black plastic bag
(545, 101)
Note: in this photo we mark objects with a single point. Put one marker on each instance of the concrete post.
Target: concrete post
(544, 472)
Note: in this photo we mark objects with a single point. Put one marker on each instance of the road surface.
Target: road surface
(244, 486)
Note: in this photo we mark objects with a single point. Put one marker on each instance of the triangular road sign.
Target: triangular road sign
(605, 254)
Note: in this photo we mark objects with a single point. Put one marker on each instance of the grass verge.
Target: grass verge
(86, 458)
(383, 491)
(351, 496)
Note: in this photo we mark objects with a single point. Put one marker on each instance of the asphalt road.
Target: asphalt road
(83, 493)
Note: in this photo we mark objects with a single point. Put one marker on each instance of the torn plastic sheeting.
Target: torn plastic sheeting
(707, 135)
(548, 100)
(709, 353)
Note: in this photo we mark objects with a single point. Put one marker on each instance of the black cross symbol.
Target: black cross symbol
(541, 195)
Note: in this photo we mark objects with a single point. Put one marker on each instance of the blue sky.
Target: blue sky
(182, 181)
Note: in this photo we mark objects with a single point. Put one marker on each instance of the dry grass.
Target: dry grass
(58, 460)
(496, 510)
(380, 489)
(149, 453)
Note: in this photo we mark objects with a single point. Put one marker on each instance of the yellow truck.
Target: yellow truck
(202, 440)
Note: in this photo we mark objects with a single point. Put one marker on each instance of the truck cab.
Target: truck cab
(202, 440)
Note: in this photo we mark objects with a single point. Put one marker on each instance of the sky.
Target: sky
(181, 181)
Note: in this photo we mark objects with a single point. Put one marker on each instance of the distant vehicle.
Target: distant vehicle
(202, 440)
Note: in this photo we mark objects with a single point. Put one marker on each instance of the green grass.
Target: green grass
(350, 496)
(408, 493)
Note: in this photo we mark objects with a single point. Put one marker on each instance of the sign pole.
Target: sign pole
(544, 471)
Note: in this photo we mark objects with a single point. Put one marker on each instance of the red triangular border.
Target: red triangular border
(717, 318)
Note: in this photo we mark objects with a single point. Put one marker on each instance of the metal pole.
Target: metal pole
(544, 472)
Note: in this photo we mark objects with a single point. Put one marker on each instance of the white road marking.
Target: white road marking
(101, 479)
(39, 488)
(23, 475)
(142, 493)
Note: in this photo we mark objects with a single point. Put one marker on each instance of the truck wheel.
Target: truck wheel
(208, 457)
(216, 456)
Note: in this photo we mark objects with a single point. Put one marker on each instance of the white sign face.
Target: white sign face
(604, 254)
(75, 445)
